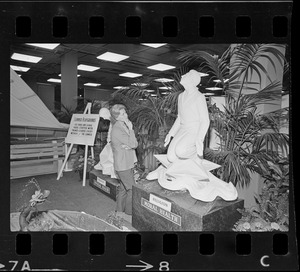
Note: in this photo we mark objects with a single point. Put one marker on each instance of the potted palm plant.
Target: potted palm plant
(248, 139)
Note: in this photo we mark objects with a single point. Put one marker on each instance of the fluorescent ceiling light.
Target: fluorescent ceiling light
(219, 81)
(213, 88)
(164, 80)
(19, 68)
(209, 94)
(88, 68)
(56, 80)
(77, 75)
(50, 46)
(92, 84)
(203, 74)
(161, 67)
(154, 45)
(109, 56)
(165, 88)
(27, 58)
(129, 74)
(121, 87)
(140, 84)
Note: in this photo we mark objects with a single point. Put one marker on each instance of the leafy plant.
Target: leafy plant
(272, 210)
(248, 139)
(152, 116)
(79, 162)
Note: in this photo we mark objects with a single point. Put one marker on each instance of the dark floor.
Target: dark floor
(67, 193)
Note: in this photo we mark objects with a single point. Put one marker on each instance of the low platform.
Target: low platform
(159, 209)
(103, 183)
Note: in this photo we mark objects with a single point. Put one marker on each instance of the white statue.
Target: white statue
(106, 162)
(183, 168)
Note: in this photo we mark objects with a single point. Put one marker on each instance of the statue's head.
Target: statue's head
(192, 78)
(104, 113)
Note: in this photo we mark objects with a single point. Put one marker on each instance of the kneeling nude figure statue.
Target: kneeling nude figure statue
(183, 168)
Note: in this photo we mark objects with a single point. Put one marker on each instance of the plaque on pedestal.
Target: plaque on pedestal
(157, 209)
(104, 183)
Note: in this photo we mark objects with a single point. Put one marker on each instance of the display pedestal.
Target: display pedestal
(104, 183)
(158, 209)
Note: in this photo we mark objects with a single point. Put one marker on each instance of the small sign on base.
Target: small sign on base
(104, 184)
(157, 209)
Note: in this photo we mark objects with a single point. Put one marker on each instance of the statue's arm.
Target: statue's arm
(205, 121)
(108, 140)
(175, 127)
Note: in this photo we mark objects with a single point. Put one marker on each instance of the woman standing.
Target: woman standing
(123, 142)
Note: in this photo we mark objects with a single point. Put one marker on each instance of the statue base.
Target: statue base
(157, 209)
(104, 183)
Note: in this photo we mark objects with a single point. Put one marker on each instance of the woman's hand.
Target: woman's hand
(128, 124)
(125, 146)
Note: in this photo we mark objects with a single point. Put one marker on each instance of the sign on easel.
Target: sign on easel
(82, 131)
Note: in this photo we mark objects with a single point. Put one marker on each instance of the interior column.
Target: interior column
(69, 80)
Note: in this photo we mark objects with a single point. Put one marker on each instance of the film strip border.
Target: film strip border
(135, 22)
(132, 22)
(169, 26)
(159, 251)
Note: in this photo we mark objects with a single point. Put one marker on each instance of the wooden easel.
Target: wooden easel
(68, 151)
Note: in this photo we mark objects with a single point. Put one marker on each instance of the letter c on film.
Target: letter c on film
(262, 260)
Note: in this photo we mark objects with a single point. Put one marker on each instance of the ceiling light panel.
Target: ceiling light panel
(219, 81)
(121, 87)
(154, 45)
(161, 67)
(87, 68)
(203, 74)
(163, 80)
(214, 89)
(55, 80)
(49, 46)
(77, 75)
(26, 58)
(109, 56)
(90, 84)
(129, 74)
(19, 68)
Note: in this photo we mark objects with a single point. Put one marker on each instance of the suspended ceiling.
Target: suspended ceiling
(140, 57)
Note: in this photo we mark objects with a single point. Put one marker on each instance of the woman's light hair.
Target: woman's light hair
(115, 111)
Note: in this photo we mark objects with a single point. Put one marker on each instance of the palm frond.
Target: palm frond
(270, 142)
(205, 61)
